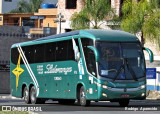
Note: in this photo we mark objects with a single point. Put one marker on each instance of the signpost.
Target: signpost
(59, 20)
(151, 74)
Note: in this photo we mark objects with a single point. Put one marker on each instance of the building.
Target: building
(22, 27)
(69, 7)
(12, 4)
(36, 22)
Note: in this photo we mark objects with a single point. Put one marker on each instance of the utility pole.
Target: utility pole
(59, 20)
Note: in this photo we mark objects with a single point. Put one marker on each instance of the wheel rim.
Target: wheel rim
(82, 97)
(26, 95)
(33, 95)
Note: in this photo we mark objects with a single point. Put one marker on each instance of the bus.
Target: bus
(83, 66)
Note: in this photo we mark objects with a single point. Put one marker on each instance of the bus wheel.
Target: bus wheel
(33, 95)
(124, 103)
(82, 97)
(26, 96)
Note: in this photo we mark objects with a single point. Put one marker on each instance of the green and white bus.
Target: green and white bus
(83, 65)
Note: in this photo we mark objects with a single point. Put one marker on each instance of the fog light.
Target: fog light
(143, 94)
(103, 94)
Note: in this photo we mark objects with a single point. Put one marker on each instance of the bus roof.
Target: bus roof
(96, 34)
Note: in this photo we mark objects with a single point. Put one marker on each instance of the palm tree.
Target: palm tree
(27, 7)
(142, 16)
(93, 12)
(35, 5)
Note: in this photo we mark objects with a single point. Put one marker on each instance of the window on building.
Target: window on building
(0, 18)
(8, 0)
(71, 4)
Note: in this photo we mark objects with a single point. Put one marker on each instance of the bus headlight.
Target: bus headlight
(142, 86)
(104, 86)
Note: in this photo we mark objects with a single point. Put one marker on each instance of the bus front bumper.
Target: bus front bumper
(121, 93)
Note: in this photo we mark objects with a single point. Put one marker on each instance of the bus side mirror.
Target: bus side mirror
(76, 50)
(77, 54)
(95, 52)
(150, 54)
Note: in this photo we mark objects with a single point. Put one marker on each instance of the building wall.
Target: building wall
(67, 13)
(49, 22)
(115, 4)
(4, 82)
(0, 6)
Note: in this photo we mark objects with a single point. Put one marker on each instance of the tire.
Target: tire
(82, 97)
(124, 103)
(34, 99)
(26, 96)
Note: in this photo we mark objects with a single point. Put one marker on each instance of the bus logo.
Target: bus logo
(18, 71)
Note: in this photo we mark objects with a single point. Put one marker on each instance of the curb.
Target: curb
(7, 96)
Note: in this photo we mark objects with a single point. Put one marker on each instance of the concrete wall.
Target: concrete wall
(8, 36)
(4, 82)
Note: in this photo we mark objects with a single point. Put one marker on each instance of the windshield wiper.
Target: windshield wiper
(122, 67)
(131, 70)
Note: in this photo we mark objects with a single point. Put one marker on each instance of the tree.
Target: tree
(142, 16)
(27, 7)
(93, 12)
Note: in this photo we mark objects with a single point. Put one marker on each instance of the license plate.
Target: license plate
(125, 96)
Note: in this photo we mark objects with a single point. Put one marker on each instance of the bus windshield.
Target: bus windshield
(121, 61)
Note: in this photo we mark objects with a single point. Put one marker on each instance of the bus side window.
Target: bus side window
(70, 53)
(90, 61)
(89, 55)
(61, 51)
(50, 52)
(39, 53)
(14, 55)
(29, 52)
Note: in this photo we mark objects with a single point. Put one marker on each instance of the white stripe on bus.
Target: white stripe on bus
(27, 65)
(28, 68)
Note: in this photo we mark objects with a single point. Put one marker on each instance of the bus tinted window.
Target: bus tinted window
(50, 49)
(39, 53)
(29, 52)
(70, 54)
(89, 55)
(61, 50)
(14, 55)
